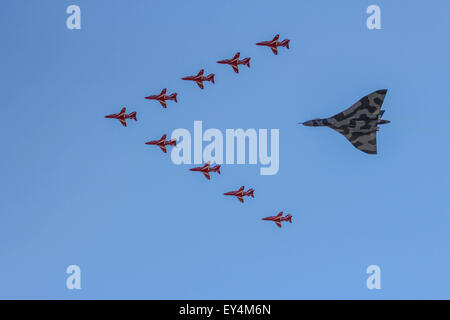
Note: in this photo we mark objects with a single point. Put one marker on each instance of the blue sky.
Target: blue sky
(80, 189)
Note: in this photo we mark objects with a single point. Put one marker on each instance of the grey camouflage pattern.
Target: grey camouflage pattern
(359, 123)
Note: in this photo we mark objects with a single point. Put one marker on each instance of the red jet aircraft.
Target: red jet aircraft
(274, 44)
(199, 78)
(235, 62)
(162, 143)
(278, 218)
(162, 97)
(241, 193)
(122, 116)
(206, 169)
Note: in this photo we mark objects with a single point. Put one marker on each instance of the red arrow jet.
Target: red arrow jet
(241, 193)
(278, 218)
(199, 78)
(162, 97)
(274, 44)
(162, 143)
(235, 62)
(122, 116)
(206, 169)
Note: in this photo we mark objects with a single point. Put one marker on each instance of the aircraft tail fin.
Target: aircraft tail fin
(210, 78)
(173, 97)
(285, 43)
(250, 193)
(133, 116)
(246, 61)
(173, 142)
(289, 218)
(217, 169)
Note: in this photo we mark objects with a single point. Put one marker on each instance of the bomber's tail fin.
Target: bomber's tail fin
(173, 142)
(133, 116)
(289, 218)
(250, 193)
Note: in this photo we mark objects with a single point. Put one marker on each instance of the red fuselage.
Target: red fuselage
(241, 193)
(122, 116)
(235, 62)
(274, 44)
(199, 78)
(279, 218)
(162, 97)
(206, 169)
(162, 143)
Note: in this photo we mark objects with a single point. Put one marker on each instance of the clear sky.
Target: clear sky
(80, 189)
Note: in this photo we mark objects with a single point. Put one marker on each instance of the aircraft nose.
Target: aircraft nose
(309, 123)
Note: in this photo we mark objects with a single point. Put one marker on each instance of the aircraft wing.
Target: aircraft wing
(207, 175)
(123, 122)
(163, 103)
(241, 199)
(274, 50)
(236, 69)
(163, 148)
(364, 141)
(367, 107)
(200, 84)
(278, 223)
(359, 122)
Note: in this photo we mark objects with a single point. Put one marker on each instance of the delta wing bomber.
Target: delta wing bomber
(359, 123)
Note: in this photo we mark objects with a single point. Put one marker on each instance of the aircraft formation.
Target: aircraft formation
(358, 124)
